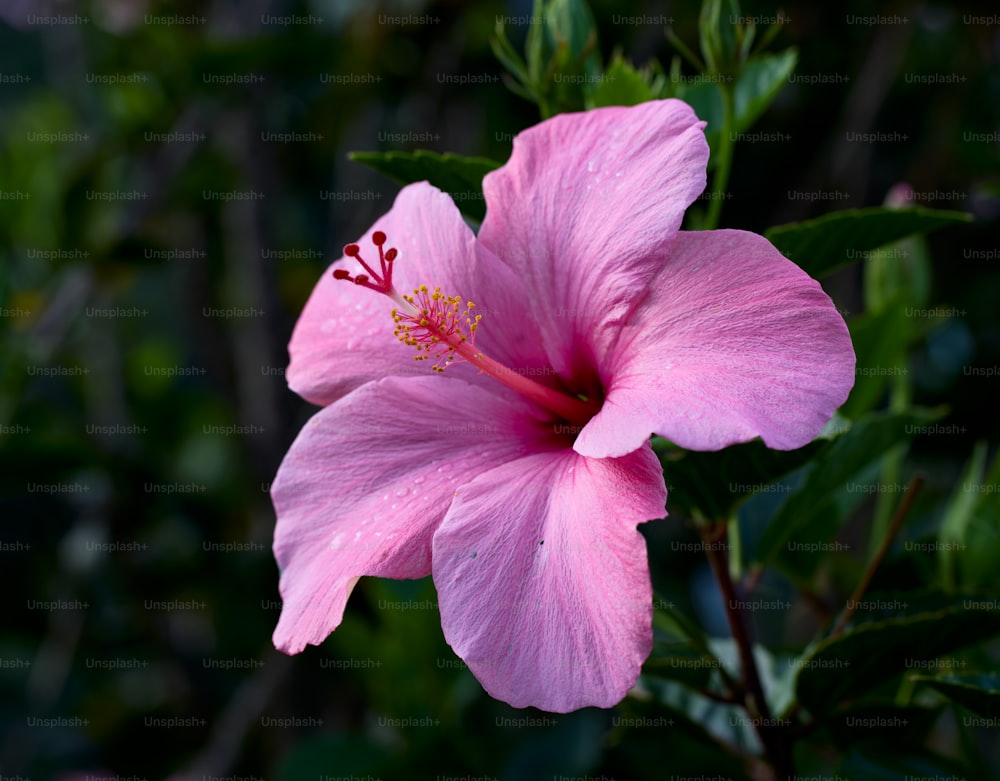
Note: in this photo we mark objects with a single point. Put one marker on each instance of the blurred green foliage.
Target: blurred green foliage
(175, 178)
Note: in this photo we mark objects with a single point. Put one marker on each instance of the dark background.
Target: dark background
(144, 331)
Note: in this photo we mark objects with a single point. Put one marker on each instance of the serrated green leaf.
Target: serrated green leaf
(825, 244)
(840, 460)
(460, 177)
(978, 692)
(842, 668)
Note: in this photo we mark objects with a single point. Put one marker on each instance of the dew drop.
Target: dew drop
(402, 491)
(418, 480)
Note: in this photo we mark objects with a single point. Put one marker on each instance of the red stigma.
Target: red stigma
(380, 280)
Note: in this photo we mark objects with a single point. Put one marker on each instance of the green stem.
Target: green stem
(892, 466)
(723, 160)
(735, 548)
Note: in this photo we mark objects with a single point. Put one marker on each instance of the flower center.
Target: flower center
(444, 328)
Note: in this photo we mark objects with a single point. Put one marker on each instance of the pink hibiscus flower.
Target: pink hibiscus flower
(518, 473)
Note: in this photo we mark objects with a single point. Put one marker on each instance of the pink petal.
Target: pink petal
(543, 581)
(369, 479)
(585, 211)
(344, 339)
(733, 342)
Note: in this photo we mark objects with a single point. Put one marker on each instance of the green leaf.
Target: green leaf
(754, 89)
(705, 720)
(979, 692)
(761, 79)
(714, 484)
(825, 244)
(504, 51)
(978, 568)
(680, 662)
(840, 460)
(881, 340)
(887, 762)
(681, 650)
(846, 666)
(957, 518)
(645, 723)
(621, 85)
(880, 723)
(460, 177)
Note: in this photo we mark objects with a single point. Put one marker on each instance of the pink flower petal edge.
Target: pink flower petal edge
(363, 488)
(732, 342)
(542, 577)
(584, 211)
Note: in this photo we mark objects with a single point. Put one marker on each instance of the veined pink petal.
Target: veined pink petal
(344, 338)
(369, 479)
(585, 211)
(733, 342)
(542, 577)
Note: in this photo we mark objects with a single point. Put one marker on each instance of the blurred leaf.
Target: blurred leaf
(899, 273)
(844, 667)
(645, 726)
(957, 517)
(979, 692)
(621, 85)
(681, 651)
(825, 244)
(680, 662)
(460, 177)
(704, 719)
(881, 340)
(569, 36)
(978, 568)
(715, 483)
(718, 35)
(882, 723)
(840, 460)
(561, 55)
(352, 755)
(757, 85)
(761, 79)
(879, 763)
(570, 746)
